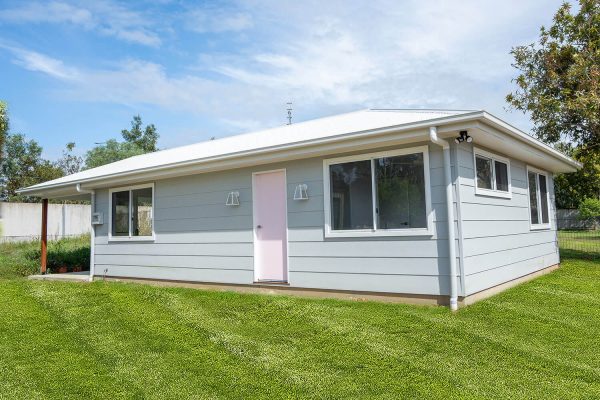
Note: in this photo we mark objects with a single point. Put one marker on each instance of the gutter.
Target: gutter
(93, 234)
(450, 215)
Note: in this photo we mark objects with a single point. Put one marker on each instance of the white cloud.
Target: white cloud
(38, 62)
(54, 12)
(103, 16)
(326, 57)
(204, 20)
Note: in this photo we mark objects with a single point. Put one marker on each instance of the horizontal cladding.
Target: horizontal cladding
(177, 261)
(499, 244)
(195, 249)
(483, 262)
(371, 265)
(496, 276)
(410, 284)
(180, 274)
(199, 238)
(389, 248)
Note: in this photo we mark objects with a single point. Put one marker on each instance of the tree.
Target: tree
(69, 163)
(110, 152)
(572, 189)
(3, 126)
(23, 166)
(589, 209)
(559, 80)
(146, 139)
(137, 141)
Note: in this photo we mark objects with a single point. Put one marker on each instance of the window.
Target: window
(537, 182)
(132, 212)
(492, 174)
(378, 194)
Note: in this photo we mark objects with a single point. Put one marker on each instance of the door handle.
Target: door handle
(258, 226)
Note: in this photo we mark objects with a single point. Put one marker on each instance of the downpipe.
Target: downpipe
(450, 212)
(92, 193)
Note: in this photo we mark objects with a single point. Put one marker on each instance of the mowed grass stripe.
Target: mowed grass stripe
(110, 339)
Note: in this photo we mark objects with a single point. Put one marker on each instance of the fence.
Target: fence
(580, 243)
(23, 221)
(569, 219)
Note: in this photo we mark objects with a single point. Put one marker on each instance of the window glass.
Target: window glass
(120, 213)
(484, 172)
(351, 195)
(142, 212)
(400, 184)
(544, 199)
(533, 203)
(501, 172)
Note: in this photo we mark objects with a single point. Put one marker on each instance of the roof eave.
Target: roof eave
(39, 189)
(519, 134)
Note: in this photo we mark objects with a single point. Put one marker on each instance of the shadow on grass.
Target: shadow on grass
(579, 254)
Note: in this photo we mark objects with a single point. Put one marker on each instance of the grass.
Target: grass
(119, 340)
(23, 258)
(587, 243)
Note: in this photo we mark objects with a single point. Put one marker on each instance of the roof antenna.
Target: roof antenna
(289, 111)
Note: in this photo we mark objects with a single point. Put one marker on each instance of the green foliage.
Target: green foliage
(144, 139)
(571, 189)
(559, 80)
(23, 166)
(110, 152)
(23, 258)
(4, 126)
(589, 209)
(69, 163)
(137, 141)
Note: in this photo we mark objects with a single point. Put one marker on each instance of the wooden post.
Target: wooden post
(44, 235)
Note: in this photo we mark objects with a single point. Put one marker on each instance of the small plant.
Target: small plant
(23, 258)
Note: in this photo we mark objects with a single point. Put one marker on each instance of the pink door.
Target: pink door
(270, 226)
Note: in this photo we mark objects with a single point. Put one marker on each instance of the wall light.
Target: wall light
(233, 199)
(464, 137)
(301, 192)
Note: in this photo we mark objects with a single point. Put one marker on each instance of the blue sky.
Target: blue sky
(79, 70)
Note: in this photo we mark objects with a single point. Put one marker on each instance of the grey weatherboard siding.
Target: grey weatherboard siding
(498, 242)
(198, 238)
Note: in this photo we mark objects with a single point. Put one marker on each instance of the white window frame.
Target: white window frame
(129, 238)
(329, 233)
(540, 225)
(494, 157)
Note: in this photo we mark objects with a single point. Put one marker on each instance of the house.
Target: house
(427, 205)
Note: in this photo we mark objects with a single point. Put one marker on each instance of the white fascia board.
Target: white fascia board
(515, 132)
(302, 149)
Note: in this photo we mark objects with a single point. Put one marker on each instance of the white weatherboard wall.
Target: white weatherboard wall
(499, 244)
(23, 221)
(198, 238)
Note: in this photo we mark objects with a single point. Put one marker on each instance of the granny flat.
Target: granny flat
(425, 205)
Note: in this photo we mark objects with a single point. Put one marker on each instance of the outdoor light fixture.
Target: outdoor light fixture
(233, 199)
(464, 137)
(301, 192)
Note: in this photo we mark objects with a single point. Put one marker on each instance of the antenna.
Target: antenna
(289, 112)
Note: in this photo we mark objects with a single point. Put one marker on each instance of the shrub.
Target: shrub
(21, 259)
(589, 209)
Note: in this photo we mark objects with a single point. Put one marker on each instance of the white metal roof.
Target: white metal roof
(286, 135)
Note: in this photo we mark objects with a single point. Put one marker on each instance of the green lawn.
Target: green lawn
(117, 340)
(585, 242)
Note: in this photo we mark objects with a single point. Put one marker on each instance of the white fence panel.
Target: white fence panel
(23, 221)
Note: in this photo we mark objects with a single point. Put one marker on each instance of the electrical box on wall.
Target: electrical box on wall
(97, 218)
